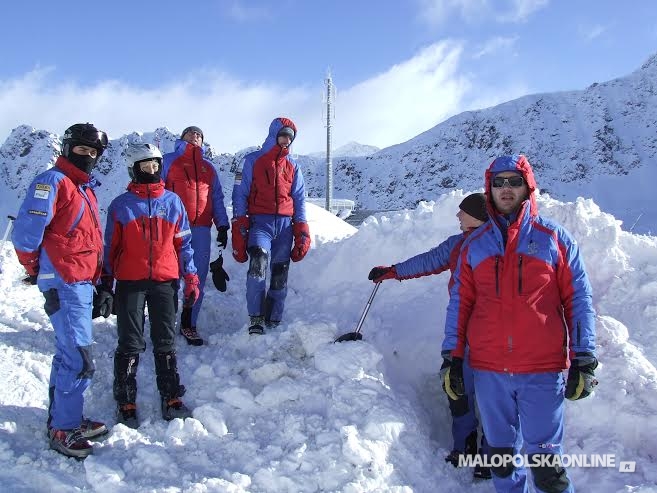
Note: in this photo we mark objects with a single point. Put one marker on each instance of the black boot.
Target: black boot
(125, 388)
(187, 330)
(257, 324)
(168, 383)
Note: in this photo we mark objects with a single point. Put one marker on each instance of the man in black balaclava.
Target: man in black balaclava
(82, 145)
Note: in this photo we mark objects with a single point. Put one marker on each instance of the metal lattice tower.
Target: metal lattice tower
(330, 94)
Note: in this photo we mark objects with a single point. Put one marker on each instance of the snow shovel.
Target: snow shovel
(356, 335)
(6, 235)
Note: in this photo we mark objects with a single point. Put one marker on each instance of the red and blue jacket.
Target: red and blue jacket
(270, 181)
(523, 305)
(57, 232)
(147, 235)
(193, 178)
(435, 261)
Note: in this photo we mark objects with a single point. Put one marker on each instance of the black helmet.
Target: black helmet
(83, 134)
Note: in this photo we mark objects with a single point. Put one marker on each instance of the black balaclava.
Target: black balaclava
(142, 177)
(84, 163)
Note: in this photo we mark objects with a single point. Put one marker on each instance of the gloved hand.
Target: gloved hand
(30, 280)
(581, 376)
(451, 374)
(301, 241)
(191, 291)
(222, 236)
(103, 298)
(381, 273)
(240, 238)
(219, 275)
(32, 269)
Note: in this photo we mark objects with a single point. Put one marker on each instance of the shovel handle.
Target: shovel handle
(367, 307)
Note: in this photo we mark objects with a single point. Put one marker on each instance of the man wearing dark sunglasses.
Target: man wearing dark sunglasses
(58, 239)
(522, 300)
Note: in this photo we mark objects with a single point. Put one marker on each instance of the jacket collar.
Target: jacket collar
(146, 190)
(75, 174)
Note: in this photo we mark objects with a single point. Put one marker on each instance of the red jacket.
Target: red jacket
(147, 235)
(190, 176)
(57, 230)
(270, 182)
(521, 298)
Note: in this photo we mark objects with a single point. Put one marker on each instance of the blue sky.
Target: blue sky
(230, 66)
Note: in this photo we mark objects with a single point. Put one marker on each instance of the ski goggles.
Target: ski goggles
(96, 138)
(513, 181)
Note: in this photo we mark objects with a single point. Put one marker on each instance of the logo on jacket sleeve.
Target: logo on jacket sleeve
(42, 191)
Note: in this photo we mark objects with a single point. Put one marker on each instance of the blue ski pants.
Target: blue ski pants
(270, 244)
(527, 407)
(69, 308)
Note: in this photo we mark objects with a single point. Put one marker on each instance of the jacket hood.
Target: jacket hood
(274, 128)
(519, 164)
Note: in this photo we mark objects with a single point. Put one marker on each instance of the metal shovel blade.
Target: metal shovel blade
(350, 336)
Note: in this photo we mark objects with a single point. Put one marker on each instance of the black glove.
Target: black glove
(222, 236)
(581, 376)
(30, 280)
(103, 299)
(219, 275)
(451, 374)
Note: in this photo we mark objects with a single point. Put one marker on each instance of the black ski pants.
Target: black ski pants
(131, 299)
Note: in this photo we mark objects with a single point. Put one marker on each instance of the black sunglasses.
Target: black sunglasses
(513, 181)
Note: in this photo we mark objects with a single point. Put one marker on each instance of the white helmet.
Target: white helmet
(141, 152)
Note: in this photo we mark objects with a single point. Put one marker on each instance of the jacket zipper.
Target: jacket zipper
(96, 223)
(196, 185)
(276, 179)
(497, 272)
(520, 275)
(150, 243)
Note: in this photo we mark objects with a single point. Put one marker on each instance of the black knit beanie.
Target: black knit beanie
(475, 205)
(193, 128)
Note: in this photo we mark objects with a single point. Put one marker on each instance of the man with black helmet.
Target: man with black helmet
(193, 178)
(58, 240)
(269, 223)
(148, 249)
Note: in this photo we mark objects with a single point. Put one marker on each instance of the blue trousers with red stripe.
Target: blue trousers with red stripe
(69, 308)
(527, 409)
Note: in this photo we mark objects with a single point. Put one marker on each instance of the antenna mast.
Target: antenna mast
(330, 93)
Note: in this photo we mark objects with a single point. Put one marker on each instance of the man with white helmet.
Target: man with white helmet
(147, 250)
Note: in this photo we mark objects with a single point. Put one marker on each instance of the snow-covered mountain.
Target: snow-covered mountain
(588, 143)
(581, 143)
(350, 149)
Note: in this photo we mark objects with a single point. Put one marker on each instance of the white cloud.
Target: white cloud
(241, 12)
(389, 108)
(591, 33)
(439, 11)
(494, 45)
